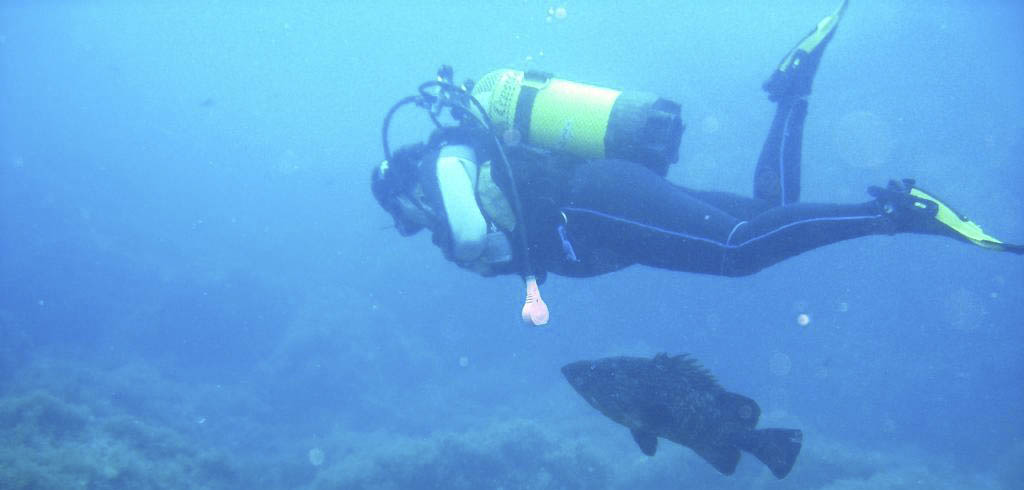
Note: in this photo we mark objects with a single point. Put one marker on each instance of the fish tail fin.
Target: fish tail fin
(776, 448)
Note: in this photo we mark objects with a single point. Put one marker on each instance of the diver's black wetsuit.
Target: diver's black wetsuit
(619, 213)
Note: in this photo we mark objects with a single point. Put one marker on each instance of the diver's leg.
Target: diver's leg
(777, 176)
(740, 207)
(620, 213)
(902, 207)
(784, 232)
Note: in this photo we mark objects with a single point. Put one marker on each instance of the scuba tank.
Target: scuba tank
(584, 120)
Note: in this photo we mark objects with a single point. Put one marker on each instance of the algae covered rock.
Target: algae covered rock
(514, 454)
(48, 442)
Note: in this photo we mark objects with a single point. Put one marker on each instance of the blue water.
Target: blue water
(199, 291)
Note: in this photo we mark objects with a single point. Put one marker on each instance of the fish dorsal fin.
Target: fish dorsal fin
(688, 368)
(648, 442)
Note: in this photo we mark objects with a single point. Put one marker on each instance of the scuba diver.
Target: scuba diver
(539, 175)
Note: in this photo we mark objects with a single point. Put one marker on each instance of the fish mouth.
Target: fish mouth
(576, 374)
(567, 372)
(574, 368)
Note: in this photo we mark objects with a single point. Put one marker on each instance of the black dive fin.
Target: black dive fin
(648, 442)
(917, 211)
(796, 71)
(776, 448)
(1012, 248)
(723, 458)
(960, 227)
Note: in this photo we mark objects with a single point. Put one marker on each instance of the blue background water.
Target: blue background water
(198, 289)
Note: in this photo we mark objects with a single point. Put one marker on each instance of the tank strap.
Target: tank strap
(533, 82)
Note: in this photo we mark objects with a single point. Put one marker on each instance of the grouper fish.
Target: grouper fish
(675, 398)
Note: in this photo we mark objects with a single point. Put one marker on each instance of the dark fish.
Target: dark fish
(676, 399)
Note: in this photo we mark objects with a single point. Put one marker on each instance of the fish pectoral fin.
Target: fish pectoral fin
(648, 442)
(723, 457)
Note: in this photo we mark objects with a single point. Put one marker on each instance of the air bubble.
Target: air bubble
(316, 456)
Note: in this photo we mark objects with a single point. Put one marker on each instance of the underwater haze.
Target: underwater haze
(198, 290)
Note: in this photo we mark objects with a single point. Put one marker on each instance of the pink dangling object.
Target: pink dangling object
(535, 312)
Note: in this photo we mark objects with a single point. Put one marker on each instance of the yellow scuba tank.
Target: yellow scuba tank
(583, 120)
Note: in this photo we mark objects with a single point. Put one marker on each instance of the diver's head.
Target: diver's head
(395, 185)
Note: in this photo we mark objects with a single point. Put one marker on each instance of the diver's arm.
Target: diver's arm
(456, 171)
